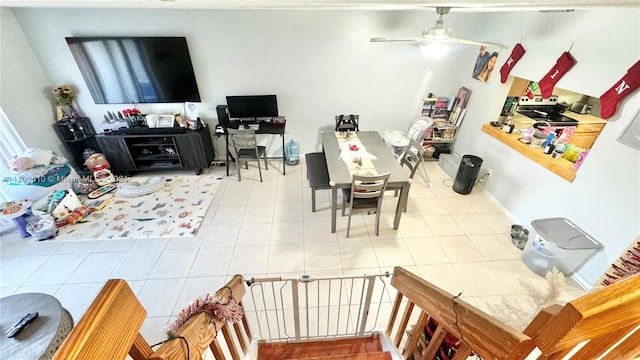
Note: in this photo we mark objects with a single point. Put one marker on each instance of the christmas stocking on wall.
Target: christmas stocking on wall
(516, 54)
(563, 65)
(611, 98)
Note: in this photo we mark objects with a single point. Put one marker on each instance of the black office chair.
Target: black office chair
(350, 123)
(246, 147)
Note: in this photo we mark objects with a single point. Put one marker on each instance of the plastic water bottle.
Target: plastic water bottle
(292, 150)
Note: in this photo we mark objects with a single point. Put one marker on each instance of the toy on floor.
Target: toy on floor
(78, 214)
(103, 176)
(96, 159)
(101, 191)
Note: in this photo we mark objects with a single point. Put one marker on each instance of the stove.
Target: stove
(547, 110)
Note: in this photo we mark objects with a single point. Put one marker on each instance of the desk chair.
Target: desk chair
(351, 123)
(365, 194)
(246, 147)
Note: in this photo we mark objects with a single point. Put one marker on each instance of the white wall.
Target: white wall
(24, 88)
(320, 63)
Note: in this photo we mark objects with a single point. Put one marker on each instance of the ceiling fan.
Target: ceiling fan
(438, 33)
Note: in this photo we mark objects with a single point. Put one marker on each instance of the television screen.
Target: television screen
(252, 106)
(121, 70)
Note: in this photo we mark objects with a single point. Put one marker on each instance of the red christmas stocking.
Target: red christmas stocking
(516, 55)
(564, 63)
(533, 86)
(610, 99)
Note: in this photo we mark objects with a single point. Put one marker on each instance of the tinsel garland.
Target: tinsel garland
(219, 308)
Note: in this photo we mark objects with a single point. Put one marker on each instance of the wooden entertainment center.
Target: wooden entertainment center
(191, 149)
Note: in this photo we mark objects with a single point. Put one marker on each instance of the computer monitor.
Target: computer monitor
(252, 106)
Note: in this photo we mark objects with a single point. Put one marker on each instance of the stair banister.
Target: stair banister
(483, 334)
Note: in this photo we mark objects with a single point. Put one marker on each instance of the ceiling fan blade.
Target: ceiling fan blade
(395, 39)
(473, 42)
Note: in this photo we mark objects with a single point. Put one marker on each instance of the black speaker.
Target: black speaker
(223, 116)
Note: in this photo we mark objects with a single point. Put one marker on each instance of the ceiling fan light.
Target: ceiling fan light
(438, 33)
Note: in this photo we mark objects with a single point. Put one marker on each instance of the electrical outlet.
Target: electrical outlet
(490, 171)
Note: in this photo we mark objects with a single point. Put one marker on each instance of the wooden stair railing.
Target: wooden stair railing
(110, 327)
(487, 337)
(609, 318)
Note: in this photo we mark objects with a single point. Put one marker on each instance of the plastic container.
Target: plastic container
(560, 243)
(292, 150)
(467, 174)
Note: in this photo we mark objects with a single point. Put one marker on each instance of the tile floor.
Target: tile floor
(458, 242)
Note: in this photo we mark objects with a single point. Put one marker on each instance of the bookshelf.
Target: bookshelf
(447, 113)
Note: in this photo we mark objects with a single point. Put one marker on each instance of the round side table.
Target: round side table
(17, 211)
(40, 339)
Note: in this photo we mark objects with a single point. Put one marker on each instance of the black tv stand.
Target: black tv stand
(191, 149)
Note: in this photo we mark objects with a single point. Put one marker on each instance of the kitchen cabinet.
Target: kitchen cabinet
(585, 135)
(518, 87)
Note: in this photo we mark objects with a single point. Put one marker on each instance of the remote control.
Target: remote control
(21, 324)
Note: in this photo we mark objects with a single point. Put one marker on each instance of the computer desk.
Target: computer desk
(269, 128)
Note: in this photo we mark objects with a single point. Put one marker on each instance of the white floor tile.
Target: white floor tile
(286, 259)
(56, 270)
(166, 289)
(20, 268)
(95, 267)
(459, 249)
(135, 265)
(249, 260)
(173, 263)
(392, 252)
(76, 298)
(212, 261)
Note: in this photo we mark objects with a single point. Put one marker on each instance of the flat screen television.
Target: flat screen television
(120, 70)
(252, 106)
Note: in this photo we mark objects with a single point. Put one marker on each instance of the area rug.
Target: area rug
(176, 210)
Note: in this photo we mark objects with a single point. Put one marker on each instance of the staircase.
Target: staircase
(603, 324)
(342, 349)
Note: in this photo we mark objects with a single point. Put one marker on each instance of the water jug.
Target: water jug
(292, 150)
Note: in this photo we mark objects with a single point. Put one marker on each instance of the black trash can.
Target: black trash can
(467, 174)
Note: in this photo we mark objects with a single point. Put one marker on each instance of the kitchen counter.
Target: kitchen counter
(561, 167)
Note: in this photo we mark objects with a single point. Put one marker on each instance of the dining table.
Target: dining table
(377, 154)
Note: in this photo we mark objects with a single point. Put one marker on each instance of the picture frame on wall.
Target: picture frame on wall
(463, 97)
(631, 134)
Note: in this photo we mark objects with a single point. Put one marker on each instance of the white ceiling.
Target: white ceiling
(459, 5)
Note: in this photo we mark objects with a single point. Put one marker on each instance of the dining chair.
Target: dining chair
(247, 149)
(347, 122)
(412, 159)
(365, 194)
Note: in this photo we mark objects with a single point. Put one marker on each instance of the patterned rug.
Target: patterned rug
(176, 210)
